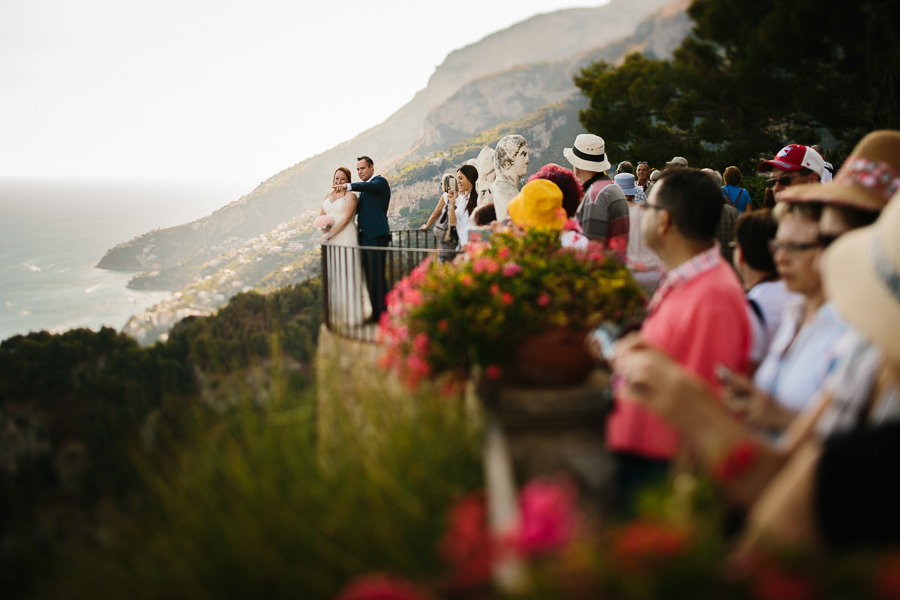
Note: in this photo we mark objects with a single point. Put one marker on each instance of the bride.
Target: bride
(349, 303)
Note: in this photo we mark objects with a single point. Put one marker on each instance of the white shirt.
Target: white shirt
(796, 366)
(638, 254)
(771, 297)
(462, 218)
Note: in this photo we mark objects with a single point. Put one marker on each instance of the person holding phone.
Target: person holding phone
(444, 231)
(465, 200)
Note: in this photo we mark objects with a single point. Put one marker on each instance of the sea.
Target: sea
(53, 232)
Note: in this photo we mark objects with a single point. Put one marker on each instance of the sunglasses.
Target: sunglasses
(642, 162)
(791, 248)
(825, 239)
(784, 180)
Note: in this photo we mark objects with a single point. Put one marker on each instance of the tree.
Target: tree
(751, 78)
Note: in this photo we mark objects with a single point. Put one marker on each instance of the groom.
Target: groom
(374, 198)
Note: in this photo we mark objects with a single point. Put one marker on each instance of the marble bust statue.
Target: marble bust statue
(511, 164)
(486, 174)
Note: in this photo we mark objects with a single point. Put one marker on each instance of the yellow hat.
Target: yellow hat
(539, 204)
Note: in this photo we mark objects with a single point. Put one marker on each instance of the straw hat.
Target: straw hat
(539, 204)
(862, 277)
(588, 154)
(868, 179)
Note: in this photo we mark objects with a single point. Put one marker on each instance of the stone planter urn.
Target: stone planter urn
(553, 430)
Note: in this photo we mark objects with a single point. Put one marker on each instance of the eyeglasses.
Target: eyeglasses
(784, 180)
(825, 239)
(791, 248)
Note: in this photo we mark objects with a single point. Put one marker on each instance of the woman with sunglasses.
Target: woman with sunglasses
(854, 199)
(799, 355)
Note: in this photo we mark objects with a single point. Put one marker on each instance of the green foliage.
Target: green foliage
(262, 510)
(77, 407)
(753, 78)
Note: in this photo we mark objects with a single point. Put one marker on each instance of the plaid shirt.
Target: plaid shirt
(682, 274)
(603, 213)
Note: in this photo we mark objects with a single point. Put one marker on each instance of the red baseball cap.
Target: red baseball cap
(793, 158)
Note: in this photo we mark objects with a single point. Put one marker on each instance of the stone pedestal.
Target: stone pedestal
(557, 431)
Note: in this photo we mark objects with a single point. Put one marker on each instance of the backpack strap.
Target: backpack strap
(757, 310)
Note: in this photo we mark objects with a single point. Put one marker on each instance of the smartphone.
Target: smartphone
(449, 183)
(606, 336)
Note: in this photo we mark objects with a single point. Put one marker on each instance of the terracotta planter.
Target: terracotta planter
(555, 357)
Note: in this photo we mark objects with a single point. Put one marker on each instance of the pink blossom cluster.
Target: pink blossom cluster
(548, 522)
(323, 223)
(378, 586)
(407, 357)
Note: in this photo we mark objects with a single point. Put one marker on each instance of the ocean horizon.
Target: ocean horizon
(53, 232)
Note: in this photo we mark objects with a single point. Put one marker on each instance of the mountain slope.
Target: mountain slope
(563, 34)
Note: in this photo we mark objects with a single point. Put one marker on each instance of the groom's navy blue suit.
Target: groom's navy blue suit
(374, 198)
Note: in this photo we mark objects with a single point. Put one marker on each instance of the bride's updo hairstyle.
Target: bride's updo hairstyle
(471, 173)
(345, 171)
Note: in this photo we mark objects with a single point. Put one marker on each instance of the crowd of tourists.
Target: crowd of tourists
(769, 354)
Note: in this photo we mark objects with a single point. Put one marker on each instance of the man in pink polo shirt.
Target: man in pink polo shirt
(698, 316)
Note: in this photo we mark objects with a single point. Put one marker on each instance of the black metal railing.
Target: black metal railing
(355, 280)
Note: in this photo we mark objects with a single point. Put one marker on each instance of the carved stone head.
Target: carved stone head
(511, 156)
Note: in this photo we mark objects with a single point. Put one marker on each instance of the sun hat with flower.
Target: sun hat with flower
(539, 204)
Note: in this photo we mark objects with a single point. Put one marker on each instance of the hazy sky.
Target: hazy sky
(216, 90)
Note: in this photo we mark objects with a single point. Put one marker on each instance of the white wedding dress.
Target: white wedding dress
(349, 303)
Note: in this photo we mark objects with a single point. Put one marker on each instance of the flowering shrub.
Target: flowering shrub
(381, 587)
(447, 318)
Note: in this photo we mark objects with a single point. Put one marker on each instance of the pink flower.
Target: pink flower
(641, 544)
(503, 253)
(323, 222)
(466, 280)
(493, 372)
(549, 517)
(887, 577)
(495, 289)
(418, 365)
(486, 265)
(572, 225)
(543, 300)
(379, 586)
(510, 269)
(420, 344)
(773, 583)
(467, 544)
(506, 298)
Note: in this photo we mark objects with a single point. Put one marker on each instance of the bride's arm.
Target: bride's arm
(346, 218)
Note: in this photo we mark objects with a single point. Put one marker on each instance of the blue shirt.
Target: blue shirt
(737, 196)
